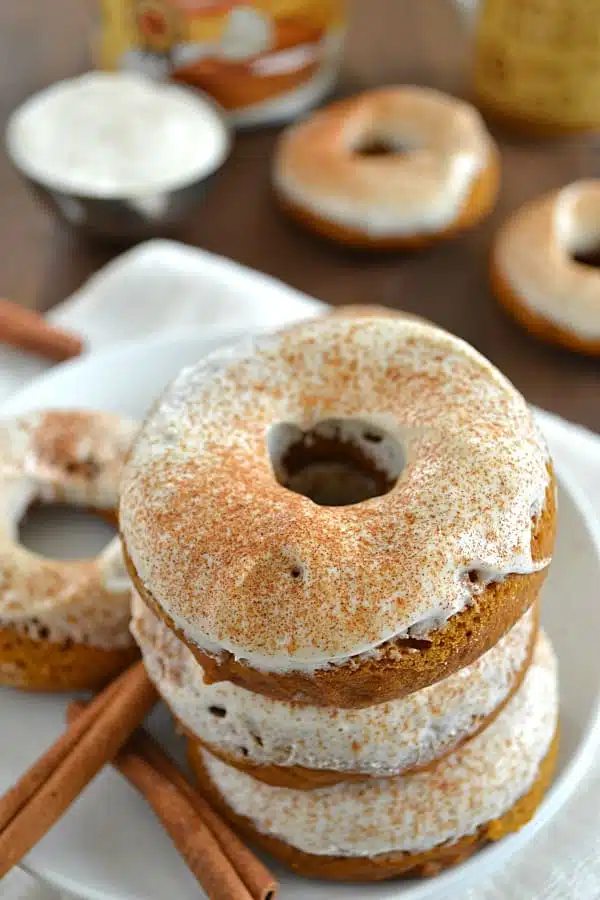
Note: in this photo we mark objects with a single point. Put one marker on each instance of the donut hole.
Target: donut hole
(377, 145)
(582, 238)
(589, 257)
(336, 462)
(60, 531)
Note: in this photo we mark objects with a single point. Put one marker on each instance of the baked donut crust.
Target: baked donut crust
(42, 665)
(475, 208)
(400, 666)
(387, 865)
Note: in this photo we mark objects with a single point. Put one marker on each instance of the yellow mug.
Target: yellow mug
(537, 62)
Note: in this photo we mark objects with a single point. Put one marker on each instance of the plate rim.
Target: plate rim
(561, 790)
(212, 332)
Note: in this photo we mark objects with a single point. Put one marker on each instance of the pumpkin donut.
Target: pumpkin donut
(392, 168)
(300, 746)
(340, 513)
(64, 624)
(536, 274)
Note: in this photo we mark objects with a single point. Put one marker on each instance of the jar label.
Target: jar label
(244, 54)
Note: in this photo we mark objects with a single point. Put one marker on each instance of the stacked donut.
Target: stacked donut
(337, 536)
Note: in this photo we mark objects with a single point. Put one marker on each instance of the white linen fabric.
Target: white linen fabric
(163, 286)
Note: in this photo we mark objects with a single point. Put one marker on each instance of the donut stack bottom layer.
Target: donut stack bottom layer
(380, 740)
(478, 784)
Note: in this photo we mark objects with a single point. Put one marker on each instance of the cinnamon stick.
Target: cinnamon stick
(133, 699)
(18, 795)
(260, 883)
(28, 330)
(196, 843)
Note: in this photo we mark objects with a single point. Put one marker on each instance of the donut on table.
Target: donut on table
(392, 168)
(535, 270)
(63, 624)
(412, 824)
(304, 747)
(341, 513)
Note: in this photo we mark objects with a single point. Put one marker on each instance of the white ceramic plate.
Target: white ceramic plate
(108, 846)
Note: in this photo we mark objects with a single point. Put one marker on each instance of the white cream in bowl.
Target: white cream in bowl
(117, 135)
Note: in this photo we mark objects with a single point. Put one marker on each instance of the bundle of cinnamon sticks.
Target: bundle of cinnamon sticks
(106, 730)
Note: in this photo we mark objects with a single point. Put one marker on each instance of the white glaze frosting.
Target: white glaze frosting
(239, 562)
(412, 813)
(71, 457)
(534, 251)
(379, 740)
(419, 191)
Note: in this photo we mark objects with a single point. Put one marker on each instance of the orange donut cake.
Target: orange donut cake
(535, 271)
(411, 824)
(392, 168)
(63, 624)
(341, 513)
(295, 745)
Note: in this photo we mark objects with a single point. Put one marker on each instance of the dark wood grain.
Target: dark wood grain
(389, 40)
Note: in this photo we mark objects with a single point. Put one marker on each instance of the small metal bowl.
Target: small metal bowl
(123, 218)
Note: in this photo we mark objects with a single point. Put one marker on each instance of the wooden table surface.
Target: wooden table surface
(389, 41)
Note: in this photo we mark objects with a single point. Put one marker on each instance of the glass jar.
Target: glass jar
(263, 61)
(537, 62)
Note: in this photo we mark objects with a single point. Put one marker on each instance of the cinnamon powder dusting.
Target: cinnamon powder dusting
(214, 536)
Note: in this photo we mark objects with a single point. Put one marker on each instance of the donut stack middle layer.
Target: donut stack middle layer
(302, 746)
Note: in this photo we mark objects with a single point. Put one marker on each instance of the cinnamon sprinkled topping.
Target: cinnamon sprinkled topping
(214, 536)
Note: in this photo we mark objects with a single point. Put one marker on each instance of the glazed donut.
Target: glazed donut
(341, 513)
(536, 276)
(411, 824)
(299, 746)
(439, 176)
(63, 624)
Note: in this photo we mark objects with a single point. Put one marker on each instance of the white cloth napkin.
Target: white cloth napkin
(162, 286)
